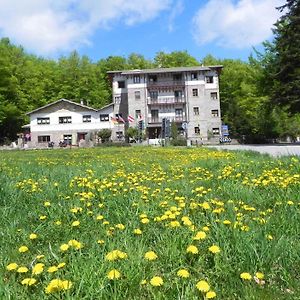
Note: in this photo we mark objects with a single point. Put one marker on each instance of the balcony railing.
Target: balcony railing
(166, 83)
(158, 120)
(166, 100)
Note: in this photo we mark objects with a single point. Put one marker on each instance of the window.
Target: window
(104, 117)
(177, 77)
(43, 121)
(119, 135)
(178, 94)
(136, 79)
(86, 118)
(138, 114)
(178, 114)
(43, 138)
(64, 120)
(197, 130)
(121, 84)
(117, 99)
(214, 96)
(216, 131)
(153, 95)
(68, 139)
(196, 111)
(137, 95)
(195, 92)
(152, 78)
(194, 75)
(209, 79)
(215, 113)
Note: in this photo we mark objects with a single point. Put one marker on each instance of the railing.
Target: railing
(158, 120)
(167, 83)
(166, 100)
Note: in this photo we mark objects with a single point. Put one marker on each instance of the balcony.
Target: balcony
(158, 120)
(166, 84)
(166, 100)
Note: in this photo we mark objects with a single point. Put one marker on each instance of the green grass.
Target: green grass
(258, 194)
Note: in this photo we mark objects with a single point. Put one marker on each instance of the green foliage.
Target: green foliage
(174, 59)
(104, 134)
(132, 132)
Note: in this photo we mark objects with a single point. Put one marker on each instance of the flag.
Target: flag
(140, 117)
(114, 120)
(120, 119)
(130, 118)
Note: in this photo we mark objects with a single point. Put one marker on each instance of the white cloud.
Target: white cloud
(177, 9)
(50, 26)
(238, 24)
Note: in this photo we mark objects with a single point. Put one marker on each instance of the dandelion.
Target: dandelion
(28, 281)
(214, 249)
(57, 285)
(137, 231)
(183, 273)
(156, 281)
(61, 265)
(38, 269)
(52, 269)
(200, 235)
(260, 275)
(210, 295)
(145, 220)
(100, 242)
(11, 267)
(23, 249)
(203, 286)
(113, 274)
(115, 255)
(120, 226)
(150, 255)
(43, 218)
(143, 282)
(64, 247)
(47, 204)
(32, 236)
(75, 224)
(57, 223)
(245, 276)
(22, 270)
(75, 244)
(192, 249)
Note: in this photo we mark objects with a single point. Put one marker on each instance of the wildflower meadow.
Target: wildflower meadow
(149, 223)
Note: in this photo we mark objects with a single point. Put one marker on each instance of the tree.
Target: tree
(174, 59)
(104, 135)
(286, 90)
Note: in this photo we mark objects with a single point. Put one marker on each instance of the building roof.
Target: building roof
(67, 101)
(166, 70)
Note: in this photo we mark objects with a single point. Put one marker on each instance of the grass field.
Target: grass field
(149, 223)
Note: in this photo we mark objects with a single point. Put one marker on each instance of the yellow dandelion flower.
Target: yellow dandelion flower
(120, 226)
(100, 242)
(156, 281)
(52, 269)
(145, 220)
(57, 223)
(32, 236)
(64, 247)
(75, 244)
(245, 276)
(28, 281)
(12, 267)
(38, 269)
(61, 265)
(75, 224)
(210, 295)
(43, 218)
(200, 235)
(183, 273)
(113, 274)
(23, 249)
(47, 203)
(203, 286)
(22, 270)
(260, 275)
(57, 285)
(137, 231)
(192, 249)
(143, 282)
(214, 249)
(150, 255)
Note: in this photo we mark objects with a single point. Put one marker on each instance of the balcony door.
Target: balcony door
(154, 115)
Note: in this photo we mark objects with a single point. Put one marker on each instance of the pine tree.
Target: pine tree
(287, 57)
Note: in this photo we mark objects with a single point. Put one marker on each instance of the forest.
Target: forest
(260, 97)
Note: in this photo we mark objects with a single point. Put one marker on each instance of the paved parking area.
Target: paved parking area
(273, 150)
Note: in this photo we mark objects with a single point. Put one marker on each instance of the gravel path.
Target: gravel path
(273, 150)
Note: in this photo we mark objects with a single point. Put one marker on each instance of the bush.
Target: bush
(104, 135)
(178, 142)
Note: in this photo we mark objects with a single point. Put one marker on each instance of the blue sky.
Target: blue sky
(97, 28)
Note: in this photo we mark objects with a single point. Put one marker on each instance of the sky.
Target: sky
(100, 28)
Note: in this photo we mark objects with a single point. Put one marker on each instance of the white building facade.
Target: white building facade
(188, 96)
(67, 121)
